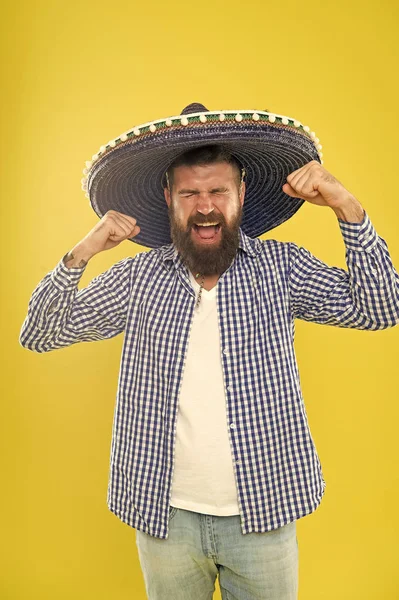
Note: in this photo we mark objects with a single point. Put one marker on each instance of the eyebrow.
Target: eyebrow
(213, 190)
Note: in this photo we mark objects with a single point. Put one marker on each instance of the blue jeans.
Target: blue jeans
(254, 566)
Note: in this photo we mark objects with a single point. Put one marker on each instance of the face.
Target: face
(205, 211)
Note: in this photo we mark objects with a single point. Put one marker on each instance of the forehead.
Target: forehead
(221, 172)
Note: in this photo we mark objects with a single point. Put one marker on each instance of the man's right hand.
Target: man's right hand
(111, 230)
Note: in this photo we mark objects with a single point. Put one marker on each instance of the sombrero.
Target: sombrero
(128, 173)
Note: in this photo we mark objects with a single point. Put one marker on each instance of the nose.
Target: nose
(205, 204)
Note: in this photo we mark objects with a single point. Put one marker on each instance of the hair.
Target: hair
(204, 155)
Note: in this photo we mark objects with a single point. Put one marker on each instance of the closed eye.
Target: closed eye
(189, 193)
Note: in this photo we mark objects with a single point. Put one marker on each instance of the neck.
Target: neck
(209, 280)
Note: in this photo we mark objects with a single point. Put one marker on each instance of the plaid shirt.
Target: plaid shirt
(150, 297)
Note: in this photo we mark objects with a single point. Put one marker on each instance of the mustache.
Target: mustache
(199, 218)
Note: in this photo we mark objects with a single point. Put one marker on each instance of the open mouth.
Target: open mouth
(207, 231)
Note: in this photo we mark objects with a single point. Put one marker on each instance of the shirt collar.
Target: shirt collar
(251, 246)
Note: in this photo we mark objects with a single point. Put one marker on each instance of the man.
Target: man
(212, 459)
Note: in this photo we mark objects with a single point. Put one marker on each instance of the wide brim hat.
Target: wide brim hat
(128, 173)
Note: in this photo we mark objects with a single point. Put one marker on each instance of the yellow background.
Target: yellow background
(75, 75)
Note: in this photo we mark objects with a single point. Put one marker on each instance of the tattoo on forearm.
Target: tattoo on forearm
(69, 256)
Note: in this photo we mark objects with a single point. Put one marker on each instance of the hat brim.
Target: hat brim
(129, 178)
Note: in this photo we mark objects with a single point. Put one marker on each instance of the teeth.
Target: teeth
(206, 224)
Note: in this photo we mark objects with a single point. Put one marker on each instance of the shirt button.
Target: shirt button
(229, 388)
(374, 271)
(232, 425)
(223, 314)
(238, 462)
(225, 351)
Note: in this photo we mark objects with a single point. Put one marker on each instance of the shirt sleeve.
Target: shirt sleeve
(366, 296)
(60, 315)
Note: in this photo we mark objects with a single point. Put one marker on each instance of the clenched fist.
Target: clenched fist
(111, 230)
(314, 183)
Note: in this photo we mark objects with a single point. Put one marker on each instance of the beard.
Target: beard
(208, 260)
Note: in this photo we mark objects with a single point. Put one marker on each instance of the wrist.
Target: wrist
(79, 256)
(351, 211)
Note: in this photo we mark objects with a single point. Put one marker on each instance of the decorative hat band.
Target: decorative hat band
(196, 120)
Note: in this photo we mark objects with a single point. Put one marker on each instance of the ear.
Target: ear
(167, 195)
(242, 193)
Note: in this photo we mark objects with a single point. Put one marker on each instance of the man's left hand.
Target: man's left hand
(316, 185)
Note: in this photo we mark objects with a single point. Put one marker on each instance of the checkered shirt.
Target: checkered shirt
(149, 297)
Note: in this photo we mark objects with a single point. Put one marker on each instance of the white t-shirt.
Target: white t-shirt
(203, 477)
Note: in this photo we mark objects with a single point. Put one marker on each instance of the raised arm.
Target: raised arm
(364, 297)
(60, 315)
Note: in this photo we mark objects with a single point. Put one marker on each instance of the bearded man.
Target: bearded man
(212, 459)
